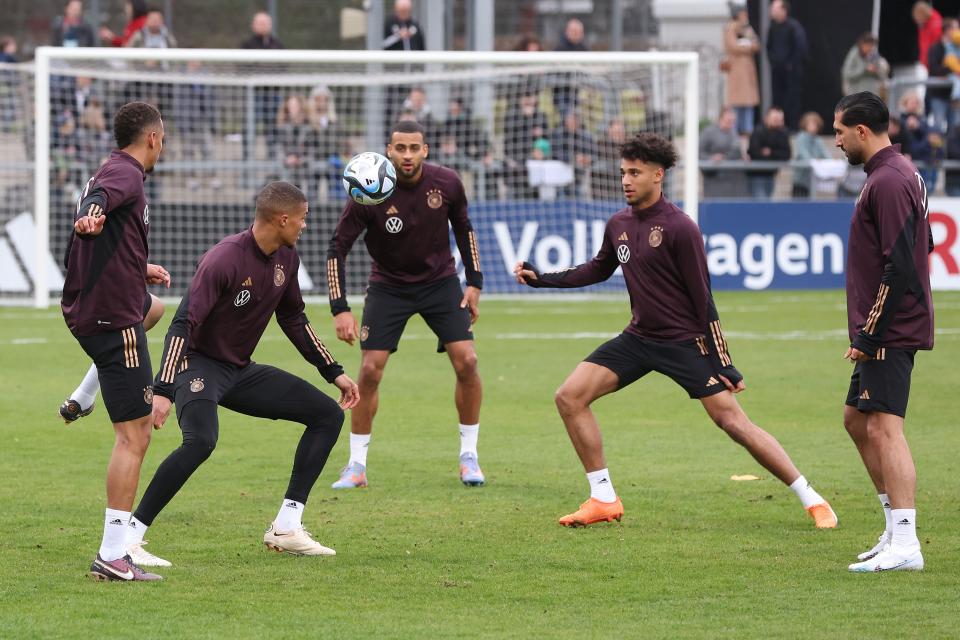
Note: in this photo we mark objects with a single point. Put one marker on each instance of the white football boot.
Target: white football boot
(892, 559)
(297, 542)
(144, 558)
(882, 542)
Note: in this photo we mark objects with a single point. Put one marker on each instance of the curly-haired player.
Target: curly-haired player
(675, 331)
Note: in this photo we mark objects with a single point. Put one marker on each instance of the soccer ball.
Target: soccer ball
(369, 178)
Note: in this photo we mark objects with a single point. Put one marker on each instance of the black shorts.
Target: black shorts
(387, 308)
(632, 357)
(147, 303)
(882, 384)
(123, 367)
(255, 390)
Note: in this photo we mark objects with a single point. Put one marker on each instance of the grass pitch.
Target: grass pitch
(420, 555)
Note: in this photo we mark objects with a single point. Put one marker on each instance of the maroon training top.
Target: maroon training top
(888, 278)
(407, 235)
(665, 269)
(105, 282)
(234, 293)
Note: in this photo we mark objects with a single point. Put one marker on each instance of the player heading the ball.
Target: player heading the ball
(413, 272)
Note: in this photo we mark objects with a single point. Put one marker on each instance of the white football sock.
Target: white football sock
(289, 518)
(601, 487)
(808, 497)
(904, 528)
(135, 531)
(468, 438)
(358, 447)
(86, 393)
(114, 534)
(885, 501)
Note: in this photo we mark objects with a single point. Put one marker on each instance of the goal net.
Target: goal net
(535, 138)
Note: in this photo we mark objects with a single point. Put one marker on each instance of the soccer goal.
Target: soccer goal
(534, 136)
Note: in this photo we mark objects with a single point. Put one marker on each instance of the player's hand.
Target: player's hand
(161, 410)
(855, 355)
(349, 391)
(157, 275)
(471, 302)
(522, 275)
(91, 223)
(733, 388)
(346, 327)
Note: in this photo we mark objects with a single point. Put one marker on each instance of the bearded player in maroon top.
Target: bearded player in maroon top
(103, 305)
(675, 330)
(890, 317)
(413, 272)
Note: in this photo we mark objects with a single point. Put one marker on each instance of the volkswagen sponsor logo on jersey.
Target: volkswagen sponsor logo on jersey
(623, 253)
(242, 298)
(146, 214)
(394, 224)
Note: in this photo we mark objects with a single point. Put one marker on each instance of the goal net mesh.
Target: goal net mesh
(536, 144)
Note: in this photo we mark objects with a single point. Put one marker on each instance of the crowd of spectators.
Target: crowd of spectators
(543, 124)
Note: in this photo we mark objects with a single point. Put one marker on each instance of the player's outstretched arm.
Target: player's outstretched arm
(349, 391)
(597, 270)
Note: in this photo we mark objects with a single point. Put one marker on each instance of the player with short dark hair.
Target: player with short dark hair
(413, 272)
(239, 284)
(889, 318)
(675, 331)
(103, 304)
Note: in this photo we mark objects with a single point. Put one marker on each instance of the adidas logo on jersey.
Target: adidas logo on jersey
(712, 381)
(623, 237)
(392, 211)
(248, 282)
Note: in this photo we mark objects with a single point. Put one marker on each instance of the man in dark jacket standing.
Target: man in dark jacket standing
(771, 142)
(787, 50)
(402, 32)
(266, 99)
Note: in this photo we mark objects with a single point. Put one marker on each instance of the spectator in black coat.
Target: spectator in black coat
(69, 29)
(787, 50)
(401, 32)
(565, 89)
(266, 100)
(771, 142)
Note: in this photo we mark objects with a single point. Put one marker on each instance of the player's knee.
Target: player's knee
(134, 442)
(328, 419)
(466, 366)
(568, 400)
(730, 421)
(200, 443)
(370, 375)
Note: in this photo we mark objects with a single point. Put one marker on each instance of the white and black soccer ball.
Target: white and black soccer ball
(369, 178)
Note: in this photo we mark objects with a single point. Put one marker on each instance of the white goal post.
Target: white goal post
(239, 144)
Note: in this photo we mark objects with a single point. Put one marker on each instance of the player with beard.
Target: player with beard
(413, 272)
(889, 318)
(675, 331)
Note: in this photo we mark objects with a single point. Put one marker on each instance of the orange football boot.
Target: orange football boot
(823, 515)
(593, 511)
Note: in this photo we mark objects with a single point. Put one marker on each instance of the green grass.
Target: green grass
(419, 555)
